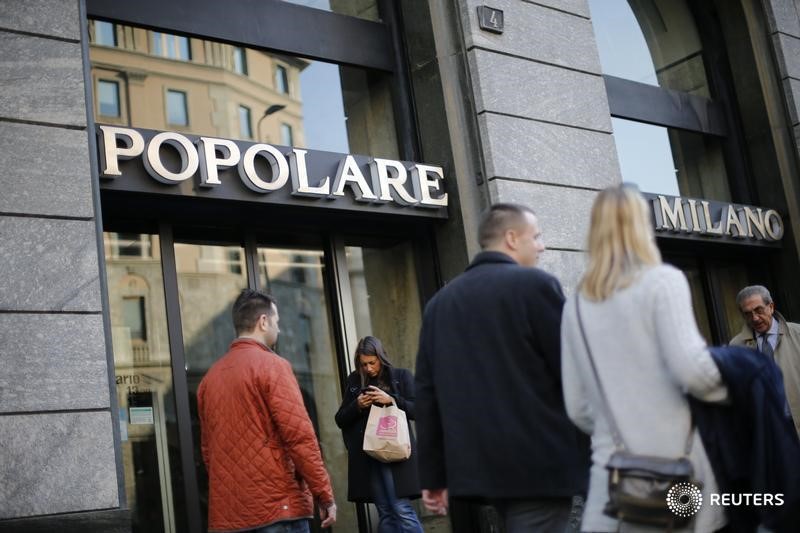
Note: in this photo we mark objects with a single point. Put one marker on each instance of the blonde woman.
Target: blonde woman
(637, 317)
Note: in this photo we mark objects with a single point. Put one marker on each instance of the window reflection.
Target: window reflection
(170, 46)
(324, 106)
(177, 110)
(245, 123)
(239, 60)
(143, 373)
(103, 33)
(670, 161)
(108, 98)
(650, 41)
(694, 277)
(383, 282)
(731, 278)
(386, 302)
(281, 79)
(296, 278)
(364, 9)
(287, 139)
(209, 280)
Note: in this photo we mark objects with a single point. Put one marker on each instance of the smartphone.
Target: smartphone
(365, 390)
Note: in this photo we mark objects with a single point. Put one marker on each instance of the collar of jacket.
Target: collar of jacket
(238, 341)
(491, 257)
(750, 335)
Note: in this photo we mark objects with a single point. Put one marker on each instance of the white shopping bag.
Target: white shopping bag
(387, 438)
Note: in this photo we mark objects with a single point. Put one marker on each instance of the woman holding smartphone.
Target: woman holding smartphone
(388, 485)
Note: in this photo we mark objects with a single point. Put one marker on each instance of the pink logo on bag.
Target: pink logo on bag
(387, 426)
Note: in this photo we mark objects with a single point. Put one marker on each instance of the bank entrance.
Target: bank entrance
(171, 287)
(191, 220)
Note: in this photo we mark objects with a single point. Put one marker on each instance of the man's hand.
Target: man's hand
(435, 500)
(328, 515)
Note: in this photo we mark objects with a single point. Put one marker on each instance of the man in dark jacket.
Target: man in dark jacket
(491, 420)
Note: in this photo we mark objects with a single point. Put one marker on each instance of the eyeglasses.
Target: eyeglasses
(760, 311)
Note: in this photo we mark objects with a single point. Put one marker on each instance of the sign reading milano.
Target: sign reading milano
(163, 162)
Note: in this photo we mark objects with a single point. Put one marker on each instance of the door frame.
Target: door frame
(340, 309)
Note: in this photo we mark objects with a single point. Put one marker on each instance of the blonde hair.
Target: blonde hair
(621, 242)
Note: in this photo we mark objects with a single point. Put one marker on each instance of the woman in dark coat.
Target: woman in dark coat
(388, 485)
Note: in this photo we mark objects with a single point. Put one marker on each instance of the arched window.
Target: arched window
(650, 41)
(670, 120)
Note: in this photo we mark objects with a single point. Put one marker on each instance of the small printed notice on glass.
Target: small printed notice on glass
(141, 415)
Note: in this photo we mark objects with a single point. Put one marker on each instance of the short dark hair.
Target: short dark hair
(249, 305)
(498, 219)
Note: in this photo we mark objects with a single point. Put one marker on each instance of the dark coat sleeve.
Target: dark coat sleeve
(403, 394)
(430, 440)
(549, 306)
(349, 413)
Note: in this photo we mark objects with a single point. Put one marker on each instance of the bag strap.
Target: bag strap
(612, 422)
(616, 436)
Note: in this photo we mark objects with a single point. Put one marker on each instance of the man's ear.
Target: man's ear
(510, 238)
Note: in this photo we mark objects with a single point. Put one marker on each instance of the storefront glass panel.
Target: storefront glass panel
(731, 278)
(296, 278)
(386, 300)
(650, 41)
(210, 277)
(669, 161)
(142, 362)
(697, 287)
(714, 284)
(324, 106)
(386, 305)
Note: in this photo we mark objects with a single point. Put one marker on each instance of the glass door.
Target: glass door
(144, 382)
(209, 278)
(296, 277)
(170, 305)
(714, 284)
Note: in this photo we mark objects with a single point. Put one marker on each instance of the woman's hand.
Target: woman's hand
(378, 396)
(364, 400)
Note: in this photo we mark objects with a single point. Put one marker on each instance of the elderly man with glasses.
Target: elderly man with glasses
(767, 331)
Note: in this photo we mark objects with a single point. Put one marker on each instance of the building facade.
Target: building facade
(158, 157)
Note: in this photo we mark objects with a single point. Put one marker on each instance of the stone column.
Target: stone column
(783, 25)
(544, 120)
(57, 450)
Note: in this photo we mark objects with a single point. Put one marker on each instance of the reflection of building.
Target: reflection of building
(161, 81)
(210, 278)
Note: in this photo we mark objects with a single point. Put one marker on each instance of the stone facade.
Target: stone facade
(545, 125)
(57, 439)
(783, 23)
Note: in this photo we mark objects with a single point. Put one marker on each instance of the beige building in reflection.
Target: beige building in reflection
(155, 80)
(209, 279)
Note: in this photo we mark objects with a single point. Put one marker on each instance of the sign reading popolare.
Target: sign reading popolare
(165, 162)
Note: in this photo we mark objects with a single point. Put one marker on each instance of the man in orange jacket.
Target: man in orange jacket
(259, 447)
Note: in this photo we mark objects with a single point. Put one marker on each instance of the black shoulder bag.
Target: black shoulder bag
(638, 485)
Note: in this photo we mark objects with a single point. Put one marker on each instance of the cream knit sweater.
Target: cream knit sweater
(649, 354)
